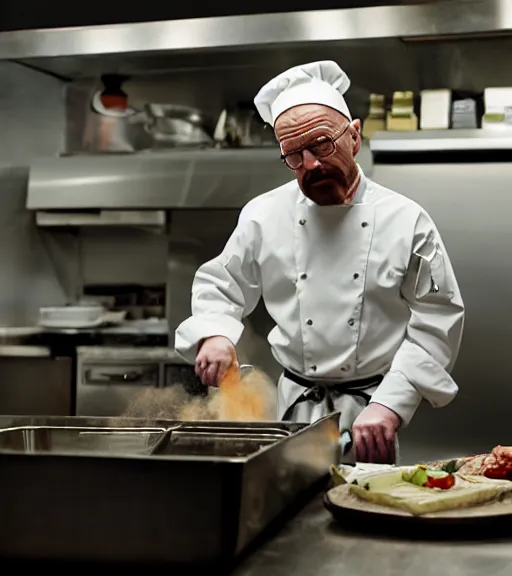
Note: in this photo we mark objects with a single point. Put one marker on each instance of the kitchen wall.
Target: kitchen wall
(32, 120)
(122, 256)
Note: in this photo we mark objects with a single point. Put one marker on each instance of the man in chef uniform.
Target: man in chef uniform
(368, 312)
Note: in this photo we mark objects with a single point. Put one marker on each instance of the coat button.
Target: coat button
(356, 276)
(309, 322)
(345, 368)
(302, 221)
(364, 224)
(313, 368)
(303, 276)
(351, 322)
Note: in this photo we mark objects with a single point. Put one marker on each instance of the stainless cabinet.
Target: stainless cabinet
(106, 387)
(108, 379)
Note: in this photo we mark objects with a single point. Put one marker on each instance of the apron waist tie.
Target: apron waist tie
(318, 391)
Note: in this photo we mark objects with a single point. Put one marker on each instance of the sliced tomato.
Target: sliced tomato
(443, 483)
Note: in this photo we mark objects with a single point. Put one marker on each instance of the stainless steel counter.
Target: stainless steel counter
(312, 543)
(151, 326)
(136, 327)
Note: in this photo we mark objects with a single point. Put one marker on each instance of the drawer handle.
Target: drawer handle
(131, 376)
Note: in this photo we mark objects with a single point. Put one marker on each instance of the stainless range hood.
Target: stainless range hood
(151, 47)
(421, 20)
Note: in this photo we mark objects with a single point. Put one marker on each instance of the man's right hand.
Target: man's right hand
(213, 359)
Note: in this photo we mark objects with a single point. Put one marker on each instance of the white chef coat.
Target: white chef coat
(355, 291)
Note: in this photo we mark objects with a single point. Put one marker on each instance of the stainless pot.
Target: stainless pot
(114, 134)
(156, 125)
(174, 125)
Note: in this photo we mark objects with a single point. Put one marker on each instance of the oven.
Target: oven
(109, 379)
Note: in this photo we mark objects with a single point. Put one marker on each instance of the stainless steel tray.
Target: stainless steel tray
(185, 439)
(77, 440)
(125, 490)
(225, 442)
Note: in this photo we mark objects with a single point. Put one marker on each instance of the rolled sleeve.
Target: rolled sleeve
(399, 395)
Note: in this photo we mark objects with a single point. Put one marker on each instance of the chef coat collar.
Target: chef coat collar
(357, 199)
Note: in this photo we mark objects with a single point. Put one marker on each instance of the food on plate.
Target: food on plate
(423, 476)
(345, 473)
(337, 476)
(419, 490)
(497, 464)
(433, 487)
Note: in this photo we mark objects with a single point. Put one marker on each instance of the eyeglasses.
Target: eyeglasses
(322, 149)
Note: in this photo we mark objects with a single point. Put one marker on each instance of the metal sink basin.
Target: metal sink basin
(221, 442)
(180, 439)
(78, 440)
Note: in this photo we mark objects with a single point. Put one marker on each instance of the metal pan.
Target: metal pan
(217, 441)
(79, 440)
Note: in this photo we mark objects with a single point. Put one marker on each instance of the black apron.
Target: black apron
(318, 391)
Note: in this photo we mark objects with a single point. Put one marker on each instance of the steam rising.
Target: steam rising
(253, 398)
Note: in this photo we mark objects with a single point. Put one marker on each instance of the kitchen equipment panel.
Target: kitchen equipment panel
(110, 378)
(106, 388)
(138, 374)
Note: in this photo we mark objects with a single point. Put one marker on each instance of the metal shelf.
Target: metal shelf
(440, 141)
(155, 180)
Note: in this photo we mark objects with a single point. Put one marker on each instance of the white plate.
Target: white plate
(71, 316)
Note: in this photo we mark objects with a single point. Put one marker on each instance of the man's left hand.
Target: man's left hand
(374, 432)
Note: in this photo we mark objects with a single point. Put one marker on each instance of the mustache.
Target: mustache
(319, 175)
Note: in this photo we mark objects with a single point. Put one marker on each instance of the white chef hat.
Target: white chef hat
(314, 83)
